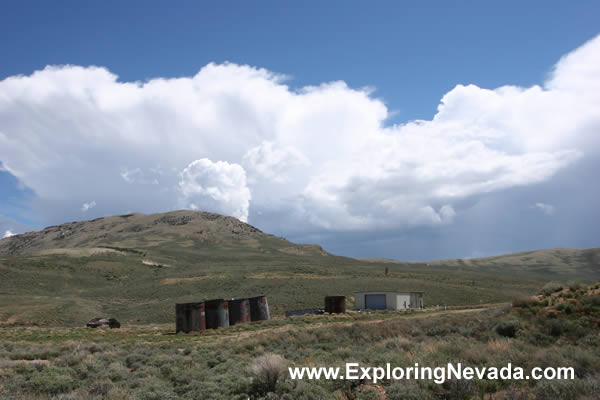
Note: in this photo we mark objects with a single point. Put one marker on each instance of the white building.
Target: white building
(388, 300)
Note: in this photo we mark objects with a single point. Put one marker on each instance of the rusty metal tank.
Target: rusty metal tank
(335, 304)
(259, 308)
(239, 311)
(217, 313)
(190, 317)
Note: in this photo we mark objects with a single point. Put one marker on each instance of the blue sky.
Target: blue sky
(410, 53)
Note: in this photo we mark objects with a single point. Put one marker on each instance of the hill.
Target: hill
(563, 264)
(135, 232)
(135, 267)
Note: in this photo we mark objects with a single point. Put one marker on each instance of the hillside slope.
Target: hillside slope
(135, 267)
(141, 231)
(562, 264)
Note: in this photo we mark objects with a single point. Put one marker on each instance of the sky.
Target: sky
(405, 130)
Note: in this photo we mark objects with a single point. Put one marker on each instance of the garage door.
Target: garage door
(375, 301)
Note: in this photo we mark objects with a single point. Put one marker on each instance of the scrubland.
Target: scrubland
(560, 327)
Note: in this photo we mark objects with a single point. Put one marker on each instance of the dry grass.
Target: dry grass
(175, 281)
(280, 276)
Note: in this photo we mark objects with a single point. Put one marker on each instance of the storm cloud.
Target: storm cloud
(312, 162)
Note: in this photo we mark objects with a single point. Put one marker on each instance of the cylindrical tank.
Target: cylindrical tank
(239, 311)
(198, 317)
(190, 317)
(335, 304)
(217, 314)
(179, 318)
(259, 309)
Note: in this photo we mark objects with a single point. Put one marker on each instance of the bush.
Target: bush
(266, 371)
(593, 301)
(575, 285)
(556, 327)
(525, 302)
(458, 389)
(100, 387)
(551, 287)
(51, 381)
(508, 328)
(557, 389)
(403, 391)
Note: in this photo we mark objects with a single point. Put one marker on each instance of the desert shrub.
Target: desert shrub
(71, 396)
(539, 338)
(508, 328)
(512, 393)
(367, 393)
(404, 391)
(300, 390)
(525, 302)
(94, 348)
(100, 387)
(154, 389)
(117, 394)
(458, 389)
(135, 361)
(116, 372)
(24, 369)
(486, 386)
(575, 285)
(569, 309)
(555, 327)
(266, 371)
(51, 381)
(206, 390)
(71, 359)
(594, 300)
(590, 341)
(551, 287)
(556, 389)
(582, 360)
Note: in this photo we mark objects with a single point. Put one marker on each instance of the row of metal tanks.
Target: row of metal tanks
(219, 313)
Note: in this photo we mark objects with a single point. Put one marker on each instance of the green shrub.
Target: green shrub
(154, 389)
(525, 302)
(508, 328)
(556, 327)
(458, 389)
(575, 285)
(556, 389)
(100, 387)
(593, 301)
(52, 381)
(404, 391)
(551, 287)
(266, 371)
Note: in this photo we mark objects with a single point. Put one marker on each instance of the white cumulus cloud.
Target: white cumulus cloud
(7, 234)
(215, 186)
(87, 206)
(547, 209)
(313, 158)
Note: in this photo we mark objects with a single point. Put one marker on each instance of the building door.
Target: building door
(375, 301)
